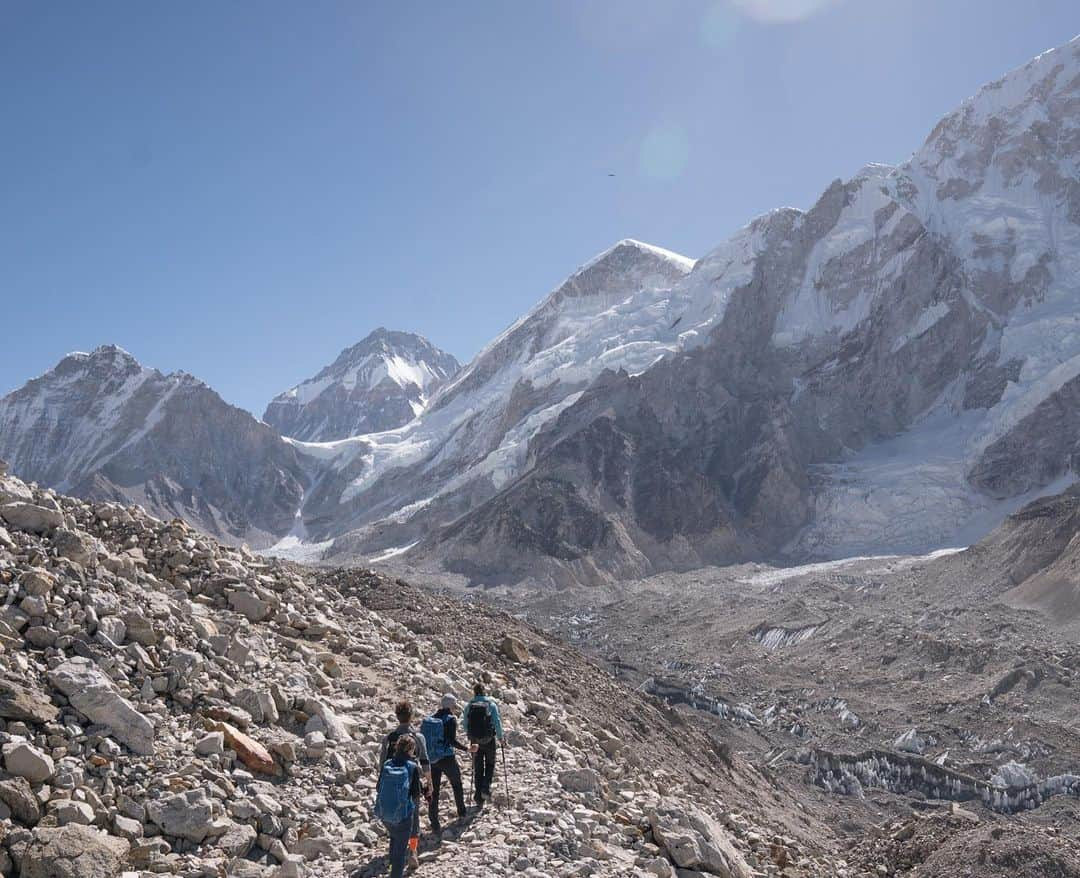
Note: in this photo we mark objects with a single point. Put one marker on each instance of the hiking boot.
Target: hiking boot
(413, 862)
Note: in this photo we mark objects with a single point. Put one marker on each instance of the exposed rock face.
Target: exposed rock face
(102, 426)
(73, 852)
(847, 341)
(381, 383)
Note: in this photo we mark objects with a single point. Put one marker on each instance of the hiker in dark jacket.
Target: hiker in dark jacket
(404, 755)
(483, 725)
(404, 714)
(440, 732)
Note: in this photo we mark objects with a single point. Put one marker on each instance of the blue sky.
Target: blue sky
(240, 190)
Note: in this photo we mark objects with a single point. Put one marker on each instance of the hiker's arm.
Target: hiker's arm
(414, 786)
(498, 720)
(451, 734)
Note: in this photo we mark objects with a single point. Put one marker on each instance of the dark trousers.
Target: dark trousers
(399, 845)
(484, 769)
(449, 767)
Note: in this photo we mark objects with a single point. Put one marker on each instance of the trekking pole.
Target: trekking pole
(506, 777)
(472, 759)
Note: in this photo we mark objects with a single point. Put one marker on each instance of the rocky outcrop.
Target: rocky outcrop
(378, 384)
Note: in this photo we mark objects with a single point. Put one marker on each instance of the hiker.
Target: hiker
(483, 725)
(404, 714)
(397, 803)
(440, 735)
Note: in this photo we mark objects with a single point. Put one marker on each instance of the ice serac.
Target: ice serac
(390, 488)
(893, 370)
(381, 383)
(105, 427)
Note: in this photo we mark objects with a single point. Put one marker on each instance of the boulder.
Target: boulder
(249, 751)
(183, 815)
(73, 851)
(514, 649)
(24, 704)
(74, 546)
(30, 517)
(94, 695)
(26, 760)
(580, 780)
(139, 629)
(253, 608)
(13, 490)
(695, 841)
(15, 792)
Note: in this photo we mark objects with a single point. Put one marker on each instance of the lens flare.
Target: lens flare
(664, 152)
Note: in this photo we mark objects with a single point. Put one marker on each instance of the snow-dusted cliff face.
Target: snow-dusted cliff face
(612, 313)
(378, 384)
(104, 427)
(893, 370)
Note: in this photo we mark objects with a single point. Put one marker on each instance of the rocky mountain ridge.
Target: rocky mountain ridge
(102, 426)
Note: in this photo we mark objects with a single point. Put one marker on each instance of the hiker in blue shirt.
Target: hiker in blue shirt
(404, 714)
(397, 801)
(440, 735)
(483, 725)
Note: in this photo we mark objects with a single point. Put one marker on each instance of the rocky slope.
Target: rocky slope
(378, 384)
(102, 426)
(925, 704)
(172, 705)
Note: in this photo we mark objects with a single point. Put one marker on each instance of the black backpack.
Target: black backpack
(479, 724)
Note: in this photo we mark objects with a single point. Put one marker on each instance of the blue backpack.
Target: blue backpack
(393, 804)
(434, 731)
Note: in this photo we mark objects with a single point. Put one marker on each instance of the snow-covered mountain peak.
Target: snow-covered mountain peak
(379, 383)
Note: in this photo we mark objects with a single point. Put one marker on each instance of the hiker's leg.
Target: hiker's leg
(478, 774)
(414, 839)
(489, 767)
(399, 846)
(453, 774)
(436, 782)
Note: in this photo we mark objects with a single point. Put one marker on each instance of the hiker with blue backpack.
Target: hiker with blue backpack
(440, 736)
(397, 803)
(405, 731)
(483, 726)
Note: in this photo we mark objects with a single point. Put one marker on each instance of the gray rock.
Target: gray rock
(183, 815)
(94, 695)
(73, 852)
(20, 799)
(31, 517)
(580, 780)
(25, 704)
(26, 760)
